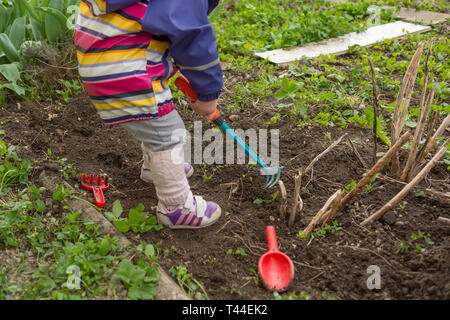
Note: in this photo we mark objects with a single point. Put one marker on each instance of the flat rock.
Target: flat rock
(340, 45)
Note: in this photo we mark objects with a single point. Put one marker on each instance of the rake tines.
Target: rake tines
(97, 186)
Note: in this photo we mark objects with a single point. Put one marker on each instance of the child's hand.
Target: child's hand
(206, 109)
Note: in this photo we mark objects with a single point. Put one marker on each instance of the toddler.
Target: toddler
(127, 50)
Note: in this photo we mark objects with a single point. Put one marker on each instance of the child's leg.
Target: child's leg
(160, 134)
(178, 208)
(158, 145)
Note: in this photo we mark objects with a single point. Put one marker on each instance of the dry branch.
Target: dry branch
(423, 115)
(430, 144)
(331, 203)
(375, 113)
(444, 220)
(331, 212)
(418, 133)
(382, 162)
(405, 92)
(394, 201)
(431, 126)
(360, 159)
(334, 144)
(297, 202)
(283, 205)
(410, 88)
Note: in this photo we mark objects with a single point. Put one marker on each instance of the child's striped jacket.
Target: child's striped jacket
(128, 49)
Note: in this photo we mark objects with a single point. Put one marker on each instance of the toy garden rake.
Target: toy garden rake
(97, 186)
(272, 173)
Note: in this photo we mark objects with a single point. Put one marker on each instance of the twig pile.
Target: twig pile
(410, 174)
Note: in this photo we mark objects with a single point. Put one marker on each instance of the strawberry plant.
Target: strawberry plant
(138, 220)
(140, 280)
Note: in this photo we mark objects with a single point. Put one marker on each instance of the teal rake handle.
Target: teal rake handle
(225, 128)
(272, 173)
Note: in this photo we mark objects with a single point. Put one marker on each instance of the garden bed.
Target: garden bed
(312, 103)
(330, 266)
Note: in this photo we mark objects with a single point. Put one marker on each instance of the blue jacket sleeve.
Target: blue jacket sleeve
(193, 42)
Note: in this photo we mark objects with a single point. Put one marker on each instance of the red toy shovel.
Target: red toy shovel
(275, 268)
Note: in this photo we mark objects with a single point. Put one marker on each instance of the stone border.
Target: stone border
(167, 289)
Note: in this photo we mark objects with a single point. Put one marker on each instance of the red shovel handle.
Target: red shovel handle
(271, 238)
(183, 84)
(99, 197)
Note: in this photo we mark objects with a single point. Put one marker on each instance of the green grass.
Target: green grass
(251, 25)
(329, 90)
(337, 91)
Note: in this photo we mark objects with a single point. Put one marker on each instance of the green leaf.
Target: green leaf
(36, 29)
(3, 18)
(381, 134)
(39, 205)
(129, 273)
(302, 110)
(46, 284)
(258, 201)
(116, 211)
(14, 87)
(124, 272)
(104, 247)
(74, 216)
(55, 23)
(152, 275)
(56, 4)
(149, 250)
(143, 293)
(117, 208)
(122, 225)
(411, 123)
(261, 201)
(52, 28)
(10, 72)
(136, 216)
(288, 88)
(17, 32)
(110, 216)
(338, 77)
(30, 9)
(216, 12)
(8, 48)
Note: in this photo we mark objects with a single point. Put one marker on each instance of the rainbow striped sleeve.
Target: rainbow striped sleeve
(122, 68)
(99, 7)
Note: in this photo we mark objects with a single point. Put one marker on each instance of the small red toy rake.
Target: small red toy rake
(97, 186)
